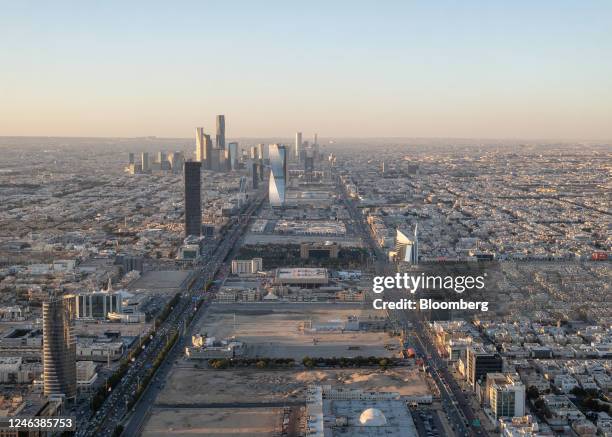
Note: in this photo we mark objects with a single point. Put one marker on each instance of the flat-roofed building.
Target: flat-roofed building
(247, 266)
(481, 362)
(97, 305)
(302, 276)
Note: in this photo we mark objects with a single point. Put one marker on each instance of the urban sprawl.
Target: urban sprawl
(227, 286)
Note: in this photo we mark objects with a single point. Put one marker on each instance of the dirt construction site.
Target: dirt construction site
(198, 400)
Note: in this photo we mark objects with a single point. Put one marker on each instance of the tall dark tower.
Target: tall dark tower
(193, 198)
(59, 347)
(255, 176)
(220, 138)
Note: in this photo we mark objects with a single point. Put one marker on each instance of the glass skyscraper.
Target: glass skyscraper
(59, 347)
(278, 175)
(193, 199)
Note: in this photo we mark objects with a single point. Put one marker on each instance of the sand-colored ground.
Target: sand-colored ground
(187, 385)
(284, 331)
(209, 422)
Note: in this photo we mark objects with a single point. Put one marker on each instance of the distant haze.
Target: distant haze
(343, 69)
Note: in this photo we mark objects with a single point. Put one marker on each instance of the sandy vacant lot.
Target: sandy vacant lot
(187, 385)
(283, 331)
(209, 422)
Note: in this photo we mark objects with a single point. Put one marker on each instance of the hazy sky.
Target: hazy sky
(342, 68)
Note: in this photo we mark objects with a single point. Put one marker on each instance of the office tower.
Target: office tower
(161, 156)
(255, 176)
(145, 162)
(220, 138)
(505, 394)
(208, 148)
(481, 362)
(316, 141)
(176, 160)
(406, 248)
(131, 156)
(415, 246)
(261, 171)
(309, 162)
(265, 151)
(260, 151)
(278, 175)
(201, 155)
(403, 246)
(193, 199)
(217, 159)
(298, 145)
(59, 347)
(232, 156)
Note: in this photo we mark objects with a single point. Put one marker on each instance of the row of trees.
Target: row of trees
(309, 362)
(358, 361)
(259, 363)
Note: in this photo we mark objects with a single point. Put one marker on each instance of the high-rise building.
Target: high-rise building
(201, 155)
(277, 184)
(481, 362)
(415, 246)
(298, 145)
(144, 159)
(176, 160)
(59, 347)
(208, 148)
(217, 159)
(220, 137)
(505, 394)
(309, 161)
(406, 248)
(193, 199)
(131, 157)
(255, 176)
(232, 156)
(265, 151)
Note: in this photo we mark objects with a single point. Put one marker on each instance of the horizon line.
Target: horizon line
(327, 138)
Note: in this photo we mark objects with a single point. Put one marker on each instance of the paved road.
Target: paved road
(199, 405)
(215, 269)
(114, 409)
(460, 412)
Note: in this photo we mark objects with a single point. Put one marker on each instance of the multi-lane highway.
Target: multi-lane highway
(114, 410)
(215, 269)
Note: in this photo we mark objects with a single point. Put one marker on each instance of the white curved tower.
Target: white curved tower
(278, 175)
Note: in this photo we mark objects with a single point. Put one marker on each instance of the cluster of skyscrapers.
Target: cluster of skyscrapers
(217, 157)
(164, 162)
(225, 157)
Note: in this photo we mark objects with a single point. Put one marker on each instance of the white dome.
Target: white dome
(372, 417)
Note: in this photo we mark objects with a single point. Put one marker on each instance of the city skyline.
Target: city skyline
(407, 70)
(318, 219)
